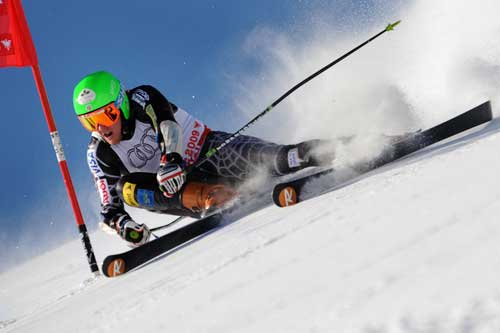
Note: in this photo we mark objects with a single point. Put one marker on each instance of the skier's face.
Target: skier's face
(112, 134)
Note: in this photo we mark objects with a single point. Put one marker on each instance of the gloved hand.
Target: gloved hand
(134, 233)
(171, 175)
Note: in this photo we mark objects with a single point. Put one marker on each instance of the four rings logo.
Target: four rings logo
(144, 151)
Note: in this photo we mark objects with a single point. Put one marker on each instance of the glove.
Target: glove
(134, 233)
(171, 175)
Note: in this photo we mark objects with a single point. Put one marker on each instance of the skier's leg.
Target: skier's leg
(203, 198)
(246, 155)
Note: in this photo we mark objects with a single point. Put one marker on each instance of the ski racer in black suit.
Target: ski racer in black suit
(141, 144)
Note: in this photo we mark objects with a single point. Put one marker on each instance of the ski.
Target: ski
(118, 264)
(289, 193)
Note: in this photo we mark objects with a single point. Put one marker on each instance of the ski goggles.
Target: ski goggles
(107, 116)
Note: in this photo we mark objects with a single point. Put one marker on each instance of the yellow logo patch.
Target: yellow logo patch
(129, 194)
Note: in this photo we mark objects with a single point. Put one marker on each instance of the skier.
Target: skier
(141, 144)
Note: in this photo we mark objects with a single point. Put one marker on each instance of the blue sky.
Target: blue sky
(188, 49)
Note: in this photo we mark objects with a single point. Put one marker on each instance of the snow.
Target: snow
(411, 247)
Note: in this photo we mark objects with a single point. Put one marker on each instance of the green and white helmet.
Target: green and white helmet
(97, 90)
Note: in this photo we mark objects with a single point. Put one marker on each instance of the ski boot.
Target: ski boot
(311, 153)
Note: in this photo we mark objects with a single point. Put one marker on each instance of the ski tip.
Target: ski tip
(391, 26)
(114, 267)
(287, 197)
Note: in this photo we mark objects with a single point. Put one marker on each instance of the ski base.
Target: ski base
(118, 264)
(289, 193)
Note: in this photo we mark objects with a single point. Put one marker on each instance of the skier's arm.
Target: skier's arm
(112, 209)
(160, 111)
(105, 178)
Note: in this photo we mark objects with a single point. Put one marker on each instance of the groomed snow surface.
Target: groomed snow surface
(412, 247)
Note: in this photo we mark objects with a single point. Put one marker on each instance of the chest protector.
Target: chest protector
(142, 152)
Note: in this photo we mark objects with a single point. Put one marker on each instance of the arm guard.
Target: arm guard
(172, 137)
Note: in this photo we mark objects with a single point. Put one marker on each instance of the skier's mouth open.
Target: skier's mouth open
(111, 134)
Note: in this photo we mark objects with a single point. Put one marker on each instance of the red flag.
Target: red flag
(16, 45)
(17, 49)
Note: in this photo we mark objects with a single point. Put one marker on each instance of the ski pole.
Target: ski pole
(180, 218)
(214, 150)
(168, 224)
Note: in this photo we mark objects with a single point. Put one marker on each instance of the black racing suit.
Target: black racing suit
(126, 172)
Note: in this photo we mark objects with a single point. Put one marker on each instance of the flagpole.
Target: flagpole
(58, 148)
(17, 49)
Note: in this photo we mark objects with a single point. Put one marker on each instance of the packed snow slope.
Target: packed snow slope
(411, 247)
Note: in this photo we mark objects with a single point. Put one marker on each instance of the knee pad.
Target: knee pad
(201, 197)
